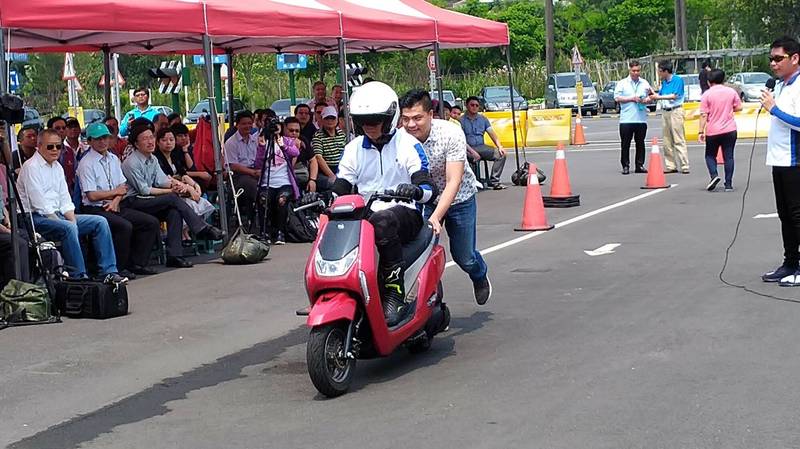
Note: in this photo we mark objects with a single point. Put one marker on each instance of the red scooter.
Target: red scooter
(346, 314)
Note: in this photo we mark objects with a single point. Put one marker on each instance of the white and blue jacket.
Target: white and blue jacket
(784, 133)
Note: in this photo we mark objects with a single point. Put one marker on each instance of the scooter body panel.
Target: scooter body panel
(331, 307)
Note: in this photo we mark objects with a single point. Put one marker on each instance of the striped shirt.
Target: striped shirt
(330, 147)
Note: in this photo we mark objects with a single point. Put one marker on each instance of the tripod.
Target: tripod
(269, 158)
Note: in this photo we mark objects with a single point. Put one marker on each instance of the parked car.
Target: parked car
(201, 108)
(691, 87)
(749, 84)
(283, 107)
(561, 93)
(448, 96)
(609, 104)
(32, 118)
(497, 98)
(166, 110)
(90, 116)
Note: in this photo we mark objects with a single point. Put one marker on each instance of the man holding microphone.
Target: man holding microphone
(783, 154)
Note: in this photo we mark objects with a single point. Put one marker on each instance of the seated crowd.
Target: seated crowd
(105, 198)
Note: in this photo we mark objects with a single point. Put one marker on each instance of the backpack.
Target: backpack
(301, 226)
(520, 176)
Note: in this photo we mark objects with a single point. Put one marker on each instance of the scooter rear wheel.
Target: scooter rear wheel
(329, 368)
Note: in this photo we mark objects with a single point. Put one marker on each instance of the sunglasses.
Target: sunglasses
(54, 146)
(779, 58)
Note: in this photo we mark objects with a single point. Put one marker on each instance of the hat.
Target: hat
(330, 111)
(97, 130)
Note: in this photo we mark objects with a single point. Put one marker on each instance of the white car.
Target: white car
(749, 84)
(691, 87)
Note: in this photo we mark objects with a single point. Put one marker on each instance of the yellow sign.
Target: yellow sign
(579, 91)
(503, 127)
(746, 126)
(549, 127)
(76, 112)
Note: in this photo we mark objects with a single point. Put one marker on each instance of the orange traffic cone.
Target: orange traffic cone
(560, 190)
(533, 216)
(580, 138)
(720, 159)
(655, 170)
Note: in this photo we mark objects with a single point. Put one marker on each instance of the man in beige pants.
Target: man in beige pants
(671, 95)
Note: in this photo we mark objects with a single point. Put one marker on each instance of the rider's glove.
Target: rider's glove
(409, 191)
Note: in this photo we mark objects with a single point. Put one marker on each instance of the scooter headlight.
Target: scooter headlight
(335, 267)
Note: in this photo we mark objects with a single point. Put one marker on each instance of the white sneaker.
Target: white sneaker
(793, 280)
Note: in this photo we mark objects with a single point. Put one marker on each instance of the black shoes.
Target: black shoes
(778, 274)
(666, 172)
(211, 233)
(640, 170)
(114, 278)
(483, 290)
(143, 271)
(626, 171)
(178, 262)
(713, 184)
(394, 293)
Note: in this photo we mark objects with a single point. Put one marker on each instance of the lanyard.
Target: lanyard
(107, 172)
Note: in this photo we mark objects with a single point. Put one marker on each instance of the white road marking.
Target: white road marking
(570, 221)
(772, 215)
(608, 248)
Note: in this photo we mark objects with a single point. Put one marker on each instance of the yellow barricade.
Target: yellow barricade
(745, 121)
(548, 127)
(504, 127)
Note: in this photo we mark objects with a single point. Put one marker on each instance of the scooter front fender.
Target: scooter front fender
(332, 307)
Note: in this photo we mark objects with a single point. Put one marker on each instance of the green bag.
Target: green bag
(20, 301)
(244, 249)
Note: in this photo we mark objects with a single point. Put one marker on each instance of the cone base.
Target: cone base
(535, 228)
(655, 187)
(562, 201)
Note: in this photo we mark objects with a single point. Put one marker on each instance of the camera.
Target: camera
(271, 126)
(11, 109)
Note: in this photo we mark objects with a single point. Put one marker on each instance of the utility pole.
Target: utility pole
(681, 40)
(550, 38)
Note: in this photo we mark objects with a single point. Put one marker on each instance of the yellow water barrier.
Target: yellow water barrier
(548, 127)
(503, 126)
(746, 125)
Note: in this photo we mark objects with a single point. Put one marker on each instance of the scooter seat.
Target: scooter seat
(413, 249)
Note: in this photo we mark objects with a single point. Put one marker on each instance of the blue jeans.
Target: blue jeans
(460, 222)
(68, 233)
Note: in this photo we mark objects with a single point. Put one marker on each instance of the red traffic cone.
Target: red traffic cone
(533, 215)
(720, 159)
(560, 190)
(580, 138)
(655, 170)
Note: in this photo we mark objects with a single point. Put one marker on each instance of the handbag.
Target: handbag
(24, 302)
(243, 248)
(520, 176)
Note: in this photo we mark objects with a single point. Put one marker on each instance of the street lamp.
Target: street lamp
(707, 20)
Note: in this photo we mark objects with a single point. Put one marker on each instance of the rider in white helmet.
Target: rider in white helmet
(383, 157)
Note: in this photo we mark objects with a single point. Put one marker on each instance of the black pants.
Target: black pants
(134, 233)
(276, 214)
(174, 211)
(786, 181)
(637, 132)
(394, 227)
(727, 141)
(7, 261)
(247, 200)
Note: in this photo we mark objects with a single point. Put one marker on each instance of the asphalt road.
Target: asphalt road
(642, 347)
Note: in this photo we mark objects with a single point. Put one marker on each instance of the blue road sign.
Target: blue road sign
(218, 59)
(13, 86)
(17, 57)
(291, 61)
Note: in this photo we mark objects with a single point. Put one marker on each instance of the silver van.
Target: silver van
(560, 93)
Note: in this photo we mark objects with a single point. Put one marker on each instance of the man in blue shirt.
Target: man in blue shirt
(633, 95)
(671, 97)
(141, 96)
(474, 125)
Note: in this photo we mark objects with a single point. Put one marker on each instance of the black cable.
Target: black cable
(738, 225)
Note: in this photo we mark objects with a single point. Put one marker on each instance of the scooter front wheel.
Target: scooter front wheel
(330, 369)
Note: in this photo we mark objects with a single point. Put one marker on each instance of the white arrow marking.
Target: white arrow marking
(608, 248)
(773, 215)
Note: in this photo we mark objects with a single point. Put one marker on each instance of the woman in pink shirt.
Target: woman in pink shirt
(718, 127)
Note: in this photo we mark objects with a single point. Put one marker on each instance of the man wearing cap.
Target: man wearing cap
(103, 187)
(328, 144)
(141, 96)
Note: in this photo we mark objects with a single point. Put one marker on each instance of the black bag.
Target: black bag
(520, 176)
(91, 299)
(301, 226)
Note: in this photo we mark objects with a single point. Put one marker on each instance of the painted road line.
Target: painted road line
(568, 222)
(772, 215)
(608, 248)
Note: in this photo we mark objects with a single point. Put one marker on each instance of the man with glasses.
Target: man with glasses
(328, 144)
(59, 125)
(633, 95)
(43, 190)
(783, 154)
(103, 188)
(141, 96)
(474, 126)
(671, 97)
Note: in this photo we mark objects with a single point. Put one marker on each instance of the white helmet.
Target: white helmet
(374, 103)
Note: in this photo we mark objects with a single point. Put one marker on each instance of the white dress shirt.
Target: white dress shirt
(99, 173)
(43, 188)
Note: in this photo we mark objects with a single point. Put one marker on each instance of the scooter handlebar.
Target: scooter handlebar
(319, 203)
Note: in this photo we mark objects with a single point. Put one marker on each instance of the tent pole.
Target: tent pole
(439, 91)
(343, 69)
(513, 108)
(212, 106)
(321, 63)
(108, 78)
(12, 203)
(230, 88)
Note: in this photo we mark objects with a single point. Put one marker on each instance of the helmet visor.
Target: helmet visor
(370, 119)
